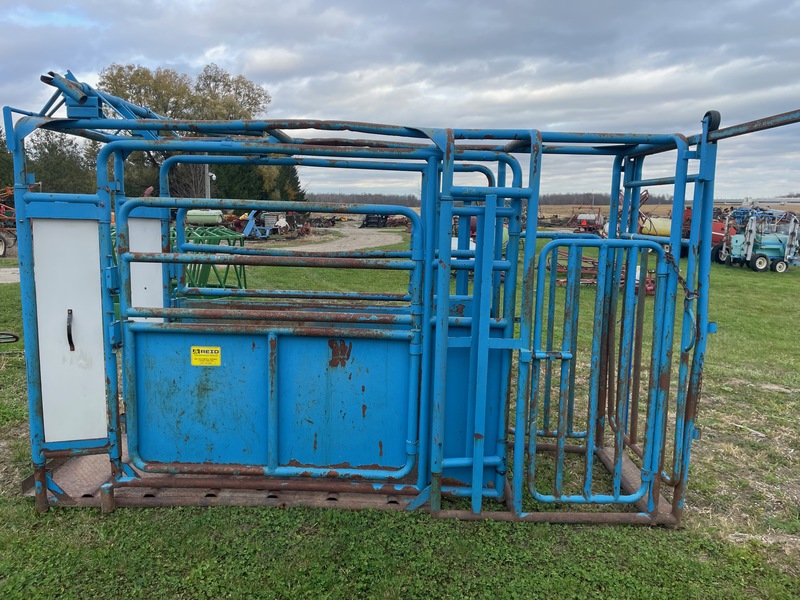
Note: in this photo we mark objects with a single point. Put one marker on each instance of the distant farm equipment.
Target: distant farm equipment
(760, 238)
(262, 224)
(589, 272)
(587, 222)
(8, 230)
(385, 221)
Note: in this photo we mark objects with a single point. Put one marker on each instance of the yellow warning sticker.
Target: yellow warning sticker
(206, 356)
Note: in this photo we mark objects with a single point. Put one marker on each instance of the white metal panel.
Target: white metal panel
(147, 283)
(66, 263)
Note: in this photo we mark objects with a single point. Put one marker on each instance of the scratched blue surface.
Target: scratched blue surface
(197, 414)
(342, 402)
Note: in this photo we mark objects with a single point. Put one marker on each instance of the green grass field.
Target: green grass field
(741, 534)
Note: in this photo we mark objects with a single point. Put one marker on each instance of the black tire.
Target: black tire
(779, 266)
(759, 263)
(714, 119)
(6, 337)
(2, 245)
(716, 252)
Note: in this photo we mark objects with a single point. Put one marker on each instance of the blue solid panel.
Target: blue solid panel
(343, 402)
(460, 419)
(202, 414)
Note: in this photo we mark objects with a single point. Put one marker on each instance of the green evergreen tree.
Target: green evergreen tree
(58, 161)
(288, 186)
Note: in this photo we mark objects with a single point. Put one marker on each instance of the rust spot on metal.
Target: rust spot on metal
(478, 436)
(363, 389)
(380, 448)
(363, 407)
(340, 352)
(458, 309)
(315, 442)
(273, 355)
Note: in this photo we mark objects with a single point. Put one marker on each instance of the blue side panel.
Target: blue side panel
(202, 414)
(343, 402)
(460, 417)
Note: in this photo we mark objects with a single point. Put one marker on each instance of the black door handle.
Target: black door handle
(69, 331)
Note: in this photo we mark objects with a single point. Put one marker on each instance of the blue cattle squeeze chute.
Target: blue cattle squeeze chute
(482, 388)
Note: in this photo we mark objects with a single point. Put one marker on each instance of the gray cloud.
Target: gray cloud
(573, 66)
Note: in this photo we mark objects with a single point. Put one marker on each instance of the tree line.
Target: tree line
(364, 198)
(64, 163)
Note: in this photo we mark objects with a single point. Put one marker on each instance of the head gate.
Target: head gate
(471, 371)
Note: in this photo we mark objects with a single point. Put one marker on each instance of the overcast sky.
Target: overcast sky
(587, 65)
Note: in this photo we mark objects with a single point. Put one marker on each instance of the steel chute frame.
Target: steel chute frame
(480, 391)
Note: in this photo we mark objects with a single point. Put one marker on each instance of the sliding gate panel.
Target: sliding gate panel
(337, 398)
(232, 382)
(201, 398)
(598, 370)
(231, 399)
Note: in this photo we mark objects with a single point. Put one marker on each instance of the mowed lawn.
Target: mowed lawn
(741, 534)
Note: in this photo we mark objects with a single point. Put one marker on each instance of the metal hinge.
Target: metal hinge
(111, 276)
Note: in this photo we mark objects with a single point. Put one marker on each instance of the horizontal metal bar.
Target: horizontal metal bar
(467, 461)
(472, 210)
(500, 192)
(497, 265)
(261, 482)
(301, 294)
(267, 315)
(778, 120)
(298, 331)
(240, 251)
(658, 181)
(548, 517)
(267, 261)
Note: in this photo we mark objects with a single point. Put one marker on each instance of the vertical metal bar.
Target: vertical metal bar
(664, 366)
(30, 325)
(551, 318)
(576, 304)
(707, 153)
(463, 236)
(624, 367)
(429, 211)
(481, 315)
(41, 500)
(598, 330)
(659, 378)
(633, 423)
(570, 314)
(509, 290)
(129, 391)
(273, 428)
(442, 323)
(525, 398)
(603, 393)
(107, 303)
(688, 333)
(498, 280)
